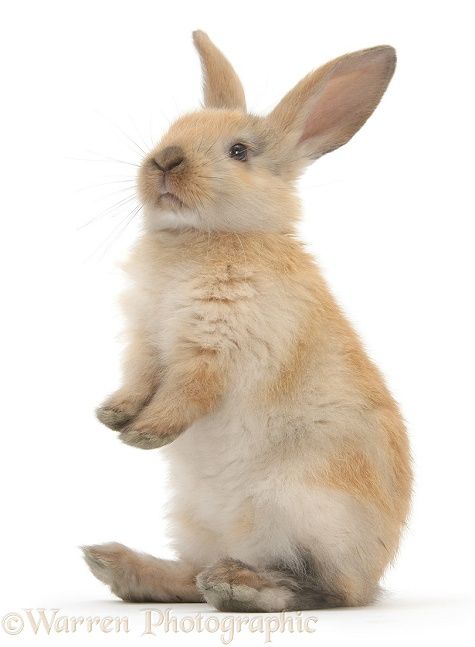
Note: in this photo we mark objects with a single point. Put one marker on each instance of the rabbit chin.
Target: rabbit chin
(161, 219)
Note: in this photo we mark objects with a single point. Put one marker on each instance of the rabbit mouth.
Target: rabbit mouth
(169, 199)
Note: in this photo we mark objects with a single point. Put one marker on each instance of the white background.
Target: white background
(389, 217)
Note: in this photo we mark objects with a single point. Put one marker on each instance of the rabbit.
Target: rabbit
(290, 465)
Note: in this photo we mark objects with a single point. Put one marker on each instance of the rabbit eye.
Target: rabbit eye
(238, 152)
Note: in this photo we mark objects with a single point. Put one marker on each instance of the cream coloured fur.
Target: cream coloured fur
(289, 459)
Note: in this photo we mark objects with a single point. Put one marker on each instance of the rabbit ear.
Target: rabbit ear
(221, 85)
(330, 105)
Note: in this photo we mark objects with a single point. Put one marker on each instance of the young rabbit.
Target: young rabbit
(289, 459)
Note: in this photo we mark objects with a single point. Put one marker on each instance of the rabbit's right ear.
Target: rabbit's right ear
(221, 85)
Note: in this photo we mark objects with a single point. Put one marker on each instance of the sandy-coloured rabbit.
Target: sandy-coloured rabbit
(289, 459)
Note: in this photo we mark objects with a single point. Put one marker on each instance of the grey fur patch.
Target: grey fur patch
(113, 418)
(310, 583)
(282, 587)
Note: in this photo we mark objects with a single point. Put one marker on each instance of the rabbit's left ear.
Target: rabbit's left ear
(330, 105)
(221, 85)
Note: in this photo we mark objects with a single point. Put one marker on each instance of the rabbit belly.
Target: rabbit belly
(237, 497)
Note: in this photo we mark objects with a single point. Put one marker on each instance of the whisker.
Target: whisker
(129, 189)
(117, 205)
(131, 216)
(122, 132)
(140, 135)
(102, 159)
(117, 231)
(91, 187)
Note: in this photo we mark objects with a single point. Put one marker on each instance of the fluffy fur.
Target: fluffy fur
(289, 459)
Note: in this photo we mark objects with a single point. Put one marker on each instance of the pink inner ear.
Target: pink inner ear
(340, 96)
(344, 101)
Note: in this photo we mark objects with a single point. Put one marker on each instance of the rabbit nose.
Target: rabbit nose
(170, 157)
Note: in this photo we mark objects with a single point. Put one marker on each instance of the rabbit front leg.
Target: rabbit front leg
(191, 388)
(141, 373)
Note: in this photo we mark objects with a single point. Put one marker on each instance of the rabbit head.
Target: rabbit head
(224, 169)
